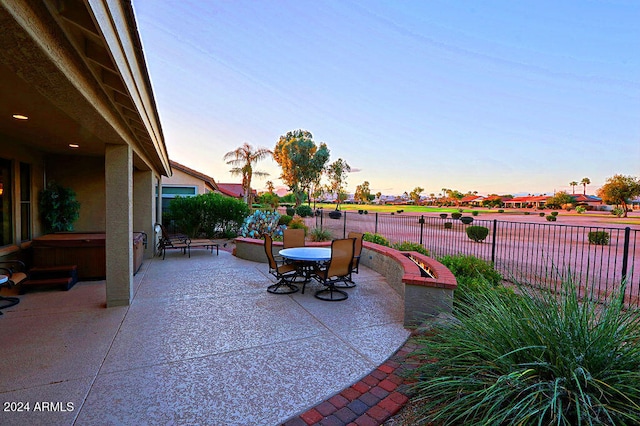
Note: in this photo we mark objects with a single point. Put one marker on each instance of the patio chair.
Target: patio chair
(285, 273)
(357, 251)
(338, 270)
(292, 238)
(14, 273)
(170, 241)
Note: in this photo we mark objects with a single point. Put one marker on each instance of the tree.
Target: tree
(584, 182)
(301, 161)
(243, 159)
(337, 174)
(619, 190)
(363, 193)
(270, 187)
(415, 194)
(560, 199)
(573, 185)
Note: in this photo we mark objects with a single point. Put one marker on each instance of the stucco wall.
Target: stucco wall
(180, 178)
(85, 175)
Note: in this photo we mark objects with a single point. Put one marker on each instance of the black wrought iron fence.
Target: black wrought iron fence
(534, 253)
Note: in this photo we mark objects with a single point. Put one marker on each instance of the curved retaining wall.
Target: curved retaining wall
(423, 296)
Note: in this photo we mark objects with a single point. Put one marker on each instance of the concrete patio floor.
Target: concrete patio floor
(202, 343)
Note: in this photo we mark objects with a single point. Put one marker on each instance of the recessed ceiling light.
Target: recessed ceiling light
(20, 117)
(74, 145)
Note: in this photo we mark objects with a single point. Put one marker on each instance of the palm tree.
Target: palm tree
(573, 184)
(584, 182)
(243, 159)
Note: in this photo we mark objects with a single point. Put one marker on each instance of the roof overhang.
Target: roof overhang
(77, 70)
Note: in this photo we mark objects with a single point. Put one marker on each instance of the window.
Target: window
(6, 223)
(25, 202)
(169, 192)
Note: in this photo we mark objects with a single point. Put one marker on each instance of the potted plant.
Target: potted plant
(58, 208)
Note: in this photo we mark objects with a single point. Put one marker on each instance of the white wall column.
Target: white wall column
(119, 224)
(143, 206)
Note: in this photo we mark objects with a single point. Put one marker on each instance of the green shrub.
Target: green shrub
(475, 213)
(376, 238)
(448, 225)
(554, 213)
(443, 215)
(477, 233)
(298, 223)
(285, 219)
(319, 234)
(617, 212)
(456, 215)
(500, 211)
(208, 215)
(581, 209)
(290, 211)
(527, 213)
(409, 246)
(464, 267)
(551, 218)
(304, 210)
(58, 208)
(535, 359)
(466, 220)
(600, 238)
(541, 214)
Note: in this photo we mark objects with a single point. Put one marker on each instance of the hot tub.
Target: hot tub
(86, 250)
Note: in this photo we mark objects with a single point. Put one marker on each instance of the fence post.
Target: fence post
(493, 242)
(421, 227)
(344, 227)
(376, 230)
(625, 252)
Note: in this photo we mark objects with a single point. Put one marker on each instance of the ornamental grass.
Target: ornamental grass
(532, 359)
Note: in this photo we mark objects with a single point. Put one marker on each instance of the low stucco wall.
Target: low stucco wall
(423, 297)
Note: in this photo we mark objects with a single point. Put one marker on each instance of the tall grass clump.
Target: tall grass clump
(546, 359)
(472, 275)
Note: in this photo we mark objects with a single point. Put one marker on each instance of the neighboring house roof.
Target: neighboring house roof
(208, 180)
(233, 190)
(471, 198)
(582, 198)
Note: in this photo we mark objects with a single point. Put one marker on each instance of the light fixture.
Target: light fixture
(20, 117)
(74, 145)
(1, 189)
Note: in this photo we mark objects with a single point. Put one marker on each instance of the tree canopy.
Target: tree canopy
(363, 193)
(301, 161)
(243, 159)
(619, 190)
(337, 174)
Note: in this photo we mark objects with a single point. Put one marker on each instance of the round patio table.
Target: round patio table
(307, 254)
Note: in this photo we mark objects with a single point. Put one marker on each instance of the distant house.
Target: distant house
(589, 201)
(527, 201)
(185, 182)
(234, 190)
(472, 200)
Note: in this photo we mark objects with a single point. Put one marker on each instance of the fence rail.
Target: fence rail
(533, 253)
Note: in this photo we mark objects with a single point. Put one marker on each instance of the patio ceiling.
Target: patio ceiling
(56, 67)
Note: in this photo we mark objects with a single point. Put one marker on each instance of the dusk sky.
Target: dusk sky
(488, 96)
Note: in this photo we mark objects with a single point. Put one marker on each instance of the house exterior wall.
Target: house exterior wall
(180, 178)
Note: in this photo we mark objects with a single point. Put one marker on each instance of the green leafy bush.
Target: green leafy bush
(456, 215)
(304, 210)
(477, 233)
(409, 246)
(554, 213)
(551, 218)
(475, 213)
(58, 208)
(500, 211)
(541, 214)
(448, 225)
(600, 238)
(535, 359)
(443, 215)
(466, 220)
(527, 213)
(617, 212)
(298, 223)
(285, 219)
(581, 209)
(208, 215)
(376, 239)
(319, 234)
(290, 211)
